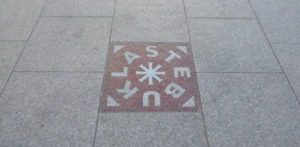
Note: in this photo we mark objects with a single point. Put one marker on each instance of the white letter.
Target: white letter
(130, 56)
(127, 90)
(146, 98)
(182, 70)
(151, 49)
(175, 90)
(120, 74)
(172, 56)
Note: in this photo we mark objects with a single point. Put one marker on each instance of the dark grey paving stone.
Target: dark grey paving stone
(230, 46)
(150, 129)
(49, 109)
(150, 21)
(249, 110)
(280, 19)
(17, 18)
(67, 44)
(219, 8)
(79, 8)
(289, 57)
(9, 53)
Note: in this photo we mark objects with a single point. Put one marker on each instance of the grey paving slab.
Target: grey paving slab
(150, 21)
(49, 109)
(9, 53)
(289, 57)
(230, 46)
(67, 44)
(150, 129)
(280, 19)
(79, 8)
(219, 8)
(249, 110)
(17, 18)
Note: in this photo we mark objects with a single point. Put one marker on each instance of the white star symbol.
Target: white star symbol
(150, 73)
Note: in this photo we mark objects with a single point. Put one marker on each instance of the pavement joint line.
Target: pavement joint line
(77, 16)
(274, 53)
(13, 40)
(199, 93)
(283, 43)
(26, 42)
(191, 17)
(60, 71)
(103, 78)
(239, 72)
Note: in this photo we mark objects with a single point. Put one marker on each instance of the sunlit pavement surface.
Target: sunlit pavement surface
(133, 73)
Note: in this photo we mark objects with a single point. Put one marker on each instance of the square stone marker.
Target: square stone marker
(17, 18)
(67, 44)
(150, 77)
(49, 109)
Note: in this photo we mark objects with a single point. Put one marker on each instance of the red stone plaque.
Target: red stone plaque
(150, 77)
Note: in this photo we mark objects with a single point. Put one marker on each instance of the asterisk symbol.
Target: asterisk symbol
(150, 73)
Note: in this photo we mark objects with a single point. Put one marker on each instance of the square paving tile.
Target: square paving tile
(219, 8)
(280, 19)
(150, 129)
(150, 77)
(79, 8)
(249, 110)
(288, 55)
(49, 109)
(150, 20)
(67, 44)
(230, 46)
(9, 53)
(17, 18)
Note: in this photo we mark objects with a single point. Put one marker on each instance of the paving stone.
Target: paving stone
(49, 109)
(79, 8)
(219, 8)
(288, 55)
(150, 129)
(230, 46)
(67, 44)
(150, 77)
(150, 21)
(249, 110)
(9, 53)
(18, 17)
(280, 19)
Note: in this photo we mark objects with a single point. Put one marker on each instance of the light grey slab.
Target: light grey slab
(49, 109)
(249, 110)
(219, 8)
(17, 18)
(289, 57)
(67, 44)
(150, 21)
(280, 19)
(150, 129)
(230, 46)
(9, 53)
(79, 8)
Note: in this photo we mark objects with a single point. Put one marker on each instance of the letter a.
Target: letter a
(175, 90)
(127, 91)
(130, 57)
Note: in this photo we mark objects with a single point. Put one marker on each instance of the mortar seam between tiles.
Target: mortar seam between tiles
(191, 17)
(273, 51)
(25, 44)
(103, 78)
(202, 110)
